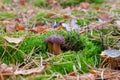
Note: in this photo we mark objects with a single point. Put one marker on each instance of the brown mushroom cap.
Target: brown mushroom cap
(58, 39)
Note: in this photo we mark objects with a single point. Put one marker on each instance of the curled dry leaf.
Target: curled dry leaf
(108, 74)
(53, 2)
(88, 76)
(6, 22)
(10, 28)
(103, 17)
(1, 6)
(53, 15)
(14, 40)
(21, 2)
(66, 16)
(30, 13)
(5, 71)
(60, 28)
(19, 27)
(30, 71)
(4, 68)
(84, 5)
(66, 10)
(72, 74)
(39, 29)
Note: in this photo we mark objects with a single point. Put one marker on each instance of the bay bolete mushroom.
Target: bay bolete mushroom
(112, 57)
(54, 42)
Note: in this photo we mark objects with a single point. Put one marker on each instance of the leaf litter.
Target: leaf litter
(21, 23)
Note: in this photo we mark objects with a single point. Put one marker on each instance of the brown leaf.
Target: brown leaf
(14, 40)
(66, 10)
(72, 74)
(66, 16)
(1, 6)
(87, 77)
(106, 74)
(19, 27)
(60, 27)
(5, 71)
(30, 71)
(10, 28)
(53, 2)
(21, 2)
(80, 77)
(104, 17)
(39, 29)
(53, 15)
(84, 5)
(15, 1)
(30, 13)
(6, 22)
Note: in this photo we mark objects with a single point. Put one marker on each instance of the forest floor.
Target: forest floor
(88, 28)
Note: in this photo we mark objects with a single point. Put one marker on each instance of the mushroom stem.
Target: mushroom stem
(56, 48)
(50, 46)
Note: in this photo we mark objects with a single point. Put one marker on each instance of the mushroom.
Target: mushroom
(111, 57)
(54, 42)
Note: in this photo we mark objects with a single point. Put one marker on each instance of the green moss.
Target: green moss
(75, 2)
(6, 1)
(41, 3)
(83, 22)
(83, 51)
(70, 2)
(96, 1)
(78, 42)
(116, 11)
(4, 15)
(64, 3)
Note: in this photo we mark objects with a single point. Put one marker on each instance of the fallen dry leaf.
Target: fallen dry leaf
(106, 74)
(72, 74)
(19, 27)
(66, 10)
(14, 40)
(21, 2)
(6, 22)
(10, 28)
(30, 13)
(15, 1)
(60, 27)
(39, 29)
(84, 5)
(1, 6)
(88, 76)
(66, 16)
(5, 71)
(53, 2)
(53, 15)
(104, 18)
(30, 71)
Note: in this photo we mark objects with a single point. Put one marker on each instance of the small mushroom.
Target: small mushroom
(111, 57)
(54, 42)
